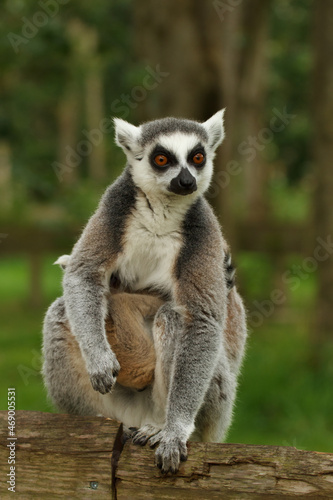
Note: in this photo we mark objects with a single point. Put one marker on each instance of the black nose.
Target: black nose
(184, 183)
(186, 180)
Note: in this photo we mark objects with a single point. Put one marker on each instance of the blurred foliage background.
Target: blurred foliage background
(68, 66)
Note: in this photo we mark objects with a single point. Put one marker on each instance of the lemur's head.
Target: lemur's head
(171, 155)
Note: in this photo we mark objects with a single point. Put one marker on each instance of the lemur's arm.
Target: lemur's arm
(85, 286)
(201, 292)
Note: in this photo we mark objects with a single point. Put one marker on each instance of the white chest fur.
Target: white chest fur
(152, 243)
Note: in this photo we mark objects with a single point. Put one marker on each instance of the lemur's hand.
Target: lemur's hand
(171, 451)
(103, 371)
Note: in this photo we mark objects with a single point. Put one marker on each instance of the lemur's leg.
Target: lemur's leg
(214, 417)
(167, 325)
(146, 305)
(128, 337)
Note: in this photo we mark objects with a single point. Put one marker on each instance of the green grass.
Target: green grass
(21, 324)
(281, 400)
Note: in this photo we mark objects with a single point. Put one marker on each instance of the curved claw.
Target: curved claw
(128, 433)
(145, 434)
(155, 440)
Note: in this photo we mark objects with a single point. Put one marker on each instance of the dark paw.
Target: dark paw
(103, 370)
(103, 382)
(169, 455)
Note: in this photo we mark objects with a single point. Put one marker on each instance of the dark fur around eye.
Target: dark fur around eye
(160, 150)
(198, 149)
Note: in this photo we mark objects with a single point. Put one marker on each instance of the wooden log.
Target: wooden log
(59, 456)
(65, 456)
(228, 471)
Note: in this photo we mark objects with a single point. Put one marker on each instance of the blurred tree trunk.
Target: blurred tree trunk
(198, 49)
(5, 173)
(92, 144)
(323, 159)
(168, 34)
(95, 114)
(252, 98)
(222, 48)
(67, 115)
(200, 45)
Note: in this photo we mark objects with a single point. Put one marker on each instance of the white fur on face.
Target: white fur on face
(154, 183)
(179, 144)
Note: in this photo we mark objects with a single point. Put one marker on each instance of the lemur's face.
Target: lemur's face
(178, 163)
(171, 156)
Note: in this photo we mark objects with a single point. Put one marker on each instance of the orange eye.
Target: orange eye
(198, 158)
(160, 160)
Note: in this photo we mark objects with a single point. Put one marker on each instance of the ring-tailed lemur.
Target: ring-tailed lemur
(153, 230)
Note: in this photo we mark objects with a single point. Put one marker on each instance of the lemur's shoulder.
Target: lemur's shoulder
(203, 246)
(120, 196)
(110, 218)
(201, 228)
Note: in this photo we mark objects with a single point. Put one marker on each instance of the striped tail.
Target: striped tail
(230, 271)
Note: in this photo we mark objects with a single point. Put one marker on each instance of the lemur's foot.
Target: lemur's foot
(171, 451)
(144, 434)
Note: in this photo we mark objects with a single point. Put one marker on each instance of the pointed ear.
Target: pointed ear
(63, 261)
(126, 136)
(215, 129)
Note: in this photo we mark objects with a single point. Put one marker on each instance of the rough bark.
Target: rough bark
(323, 155)
(58, 456)
(64, 456)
